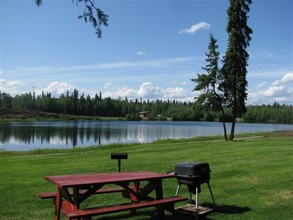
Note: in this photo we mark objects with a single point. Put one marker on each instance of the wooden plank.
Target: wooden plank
(190, 209)
(105, 178)
(123, 207)
(52, 195)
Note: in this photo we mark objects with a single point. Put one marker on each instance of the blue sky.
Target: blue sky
(151, 49)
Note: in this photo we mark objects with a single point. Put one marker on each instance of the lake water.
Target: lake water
(23, 136)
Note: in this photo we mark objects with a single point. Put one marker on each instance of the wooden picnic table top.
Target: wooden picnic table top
(104, 178)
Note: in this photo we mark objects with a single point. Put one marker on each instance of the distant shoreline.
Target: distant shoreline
(35, 115)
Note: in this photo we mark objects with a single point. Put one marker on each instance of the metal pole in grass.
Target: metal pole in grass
(119, 157)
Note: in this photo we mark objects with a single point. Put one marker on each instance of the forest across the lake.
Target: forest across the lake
(29, 105)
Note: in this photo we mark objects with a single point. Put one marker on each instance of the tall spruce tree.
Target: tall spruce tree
(234, 83)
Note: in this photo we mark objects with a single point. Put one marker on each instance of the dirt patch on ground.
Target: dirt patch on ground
(280, 134)
(279, 196)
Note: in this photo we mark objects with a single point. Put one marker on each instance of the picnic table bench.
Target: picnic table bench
(72, 190)
(162, 204)
(53, 195)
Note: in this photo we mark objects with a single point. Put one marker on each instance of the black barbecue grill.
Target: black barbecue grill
(193, 175)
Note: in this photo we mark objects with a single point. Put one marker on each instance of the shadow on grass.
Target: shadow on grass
(152, 214)
(149, 215)
(231, 209)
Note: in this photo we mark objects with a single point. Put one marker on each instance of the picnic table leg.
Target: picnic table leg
(133, 198)
(159, 195)
(69, 203)
(58, 204)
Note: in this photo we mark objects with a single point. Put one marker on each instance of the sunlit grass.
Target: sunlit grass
(251, 177)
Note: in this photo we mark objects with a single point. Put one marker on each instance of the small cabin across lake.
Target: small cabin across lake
(143, 114)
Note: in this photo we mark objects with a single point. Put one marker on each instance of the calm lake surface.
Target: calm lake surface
(24, 136)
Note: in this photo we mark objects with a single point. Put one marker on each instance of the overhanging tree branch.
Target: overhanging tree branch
(91, 14)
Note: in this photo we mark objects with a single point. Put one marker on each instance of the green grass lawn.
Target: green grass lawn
(251, 178)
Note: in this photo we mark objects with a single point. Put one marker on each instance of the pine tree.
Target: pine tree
(207, 82)
(226, 88)
(234, 83)
(212, 96)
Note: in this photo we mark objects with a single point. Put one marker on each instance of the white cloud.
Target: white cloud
(180, 83)
(261, 85)
(108, 85)
(287, 78)
(57, 88)
(194, 28)
(175, 93)
(264, 55)
(281, 88)
(279, 91)
(122, 92)
(276, 91)
(34, 72)
(149, 90)
(145, 64)
(10, 86)
(127, 92)
(141, 53)
(265, 86)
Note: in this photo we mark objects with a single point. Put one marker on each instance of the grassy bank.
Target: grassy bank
(251, 177)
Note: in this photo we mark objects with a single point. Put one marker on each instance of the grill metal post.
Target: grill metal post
(196, 201)
(210, 189)
(177, 190)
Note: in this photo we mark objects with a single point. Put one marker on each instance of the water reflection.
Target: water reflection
(41, 135)
(34, 135)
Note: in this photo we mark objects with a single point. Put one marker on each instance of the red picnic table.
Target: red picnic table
(72, 190)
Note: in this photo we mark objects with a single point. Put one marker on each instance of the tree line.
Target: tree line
(97, 106)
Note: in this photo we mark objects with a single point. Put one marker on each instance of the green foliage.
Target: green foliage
(97, 20)
(39, 2)
(234, 83)
(235, 60)
(275, 113)
(5, 100)
(211, 98)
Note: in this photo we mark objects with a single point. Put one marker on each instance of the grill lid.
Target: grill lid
(192, 170)
(192, 174)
